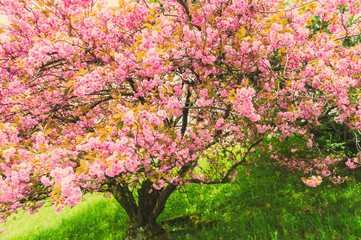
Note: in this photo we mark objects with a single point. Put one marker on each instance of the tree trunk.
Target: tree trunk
(149, 230)
(143, 215)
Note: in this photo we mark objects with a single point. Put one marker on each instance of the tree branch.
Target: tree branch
(125, 197)
(185, 113)
(226, 178)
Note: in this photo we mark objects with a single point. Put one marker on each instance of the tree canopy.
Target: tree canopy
(147, 96)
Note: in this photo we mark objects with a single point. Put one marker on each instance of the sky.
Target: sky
(5, 21)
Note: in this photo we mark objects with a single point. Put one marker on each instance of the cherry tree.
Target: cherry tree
(139, 99)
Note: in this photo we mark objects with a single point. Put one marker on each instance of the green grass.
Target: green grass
(267, 204)
(95, 217)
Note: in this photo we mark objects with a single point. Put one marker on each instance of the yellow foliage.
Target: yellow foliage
(84, 71)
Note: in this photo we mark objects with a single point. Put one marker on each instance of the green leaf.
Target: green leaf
(120, 125)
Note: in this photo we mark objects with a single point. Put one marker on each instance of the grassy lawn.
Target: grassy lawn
(267, 204)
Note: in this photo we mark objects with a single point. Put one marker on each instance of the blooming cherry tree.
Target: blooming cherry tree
(142, 98)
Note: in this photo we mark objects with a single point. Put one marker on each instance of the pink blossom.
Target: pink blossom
(313, 181)
(141, 92)
(350, 164)
(9, 153)
(128, 118)
(309, 143)
(46, 181)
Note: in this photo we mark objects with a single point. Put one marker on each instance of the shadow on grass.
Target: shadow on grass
(267, 204)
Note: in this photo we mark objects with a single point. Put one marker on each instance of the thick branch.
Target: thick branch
(125, 197)
(132, 85)
(51, 62)
(185, 8)
(185, 113)
(76, 119)
(147, 198)
(164, 195)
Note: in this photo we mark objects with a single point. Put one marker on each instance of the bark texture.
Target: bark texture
(143, 215)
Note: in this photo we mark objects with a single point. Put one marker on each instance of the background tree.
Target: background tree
(143, 98)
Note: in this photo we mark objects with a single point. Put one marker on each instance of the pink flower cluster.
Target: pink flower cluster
(351, 163)
(66, 179)
(243, 104)
(145, 90)
(312, 181)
